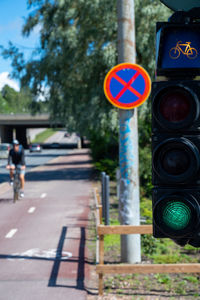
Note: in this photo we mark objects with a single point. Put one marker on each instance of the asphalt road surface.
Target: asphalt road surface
(42, 237)
(33, 160)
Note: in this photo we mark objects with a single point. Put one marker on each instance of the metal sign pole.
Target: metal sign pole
(128, 141)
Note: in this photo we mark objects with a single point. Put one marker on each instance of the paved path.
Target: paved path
(59, 137)
(42, 237)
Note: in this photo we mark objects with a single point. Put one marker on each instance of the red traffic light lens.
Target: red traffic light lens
(175, 105)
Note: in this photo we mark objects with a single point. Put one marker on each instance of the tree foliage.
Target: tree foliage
(12, 101)
(78, 41)
(78, 46)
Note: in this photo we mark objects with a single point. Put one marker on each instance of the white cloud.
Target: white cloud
(5, 79)
(44, 93)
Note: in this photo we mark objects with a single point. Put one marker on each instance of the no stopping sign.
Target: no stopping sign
(127, 85)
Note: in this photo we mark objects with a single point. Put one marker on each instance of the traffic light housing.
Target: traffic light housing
(176, 132)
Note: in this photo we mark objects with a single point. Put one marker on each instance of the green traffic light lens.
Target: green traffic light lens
(176, 215)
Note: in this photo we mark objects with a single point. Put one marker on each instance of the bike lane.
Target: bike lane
(43, 252)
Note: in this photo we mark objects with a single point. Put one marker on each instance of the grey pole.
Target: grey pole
(107, 204)
(103, 175)
(129, 212)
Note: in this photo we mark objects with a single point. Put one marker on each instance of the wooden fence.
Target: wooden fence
(102, 269)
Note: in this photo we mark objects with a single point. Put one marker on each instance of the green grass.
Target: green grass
(41, 137)
(112, 240)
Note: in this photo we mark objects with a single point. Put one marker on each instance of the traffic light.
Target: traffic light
(176, 131)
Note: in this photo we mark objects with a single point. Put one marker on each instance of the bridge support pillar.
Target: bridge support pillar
(21, 136)
(6, 134)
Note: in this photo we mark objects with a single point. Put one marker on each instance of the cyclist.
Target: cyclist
(16, 158)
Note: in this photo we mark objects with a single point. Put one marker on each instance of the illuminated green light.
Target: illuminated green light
(176, 215)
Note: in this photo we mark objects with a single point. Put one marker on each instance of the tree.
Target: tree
(16, 102)
(77, 48)
(4, 107)
(76, 52)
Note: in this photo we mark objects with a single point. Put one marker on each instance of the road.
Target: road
(33, 159)
(42, 237)
(36, 159)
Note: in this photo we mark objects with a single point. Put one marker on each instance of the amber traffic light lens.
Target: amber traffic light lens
(175, 161)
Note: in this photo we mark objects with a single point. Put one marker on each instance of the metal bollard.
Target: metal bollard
(107, 203)
(103, 175)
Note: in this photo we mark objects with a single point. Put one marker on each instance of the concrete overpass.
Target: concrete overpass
(15, 126)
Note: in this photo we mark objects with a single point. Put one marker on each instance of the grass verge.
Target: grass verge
(41, 137)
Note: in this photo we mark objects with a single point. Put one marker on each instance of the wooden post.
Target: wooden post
(100, 214)
(100, 207)
(101, 261)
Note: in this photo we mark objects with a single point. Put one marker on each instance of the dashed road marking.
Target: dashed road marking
(11, 233)
(31, 210)
(43, 195)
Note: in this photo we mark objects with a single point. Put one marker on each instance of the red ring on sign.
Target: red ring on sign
(139, 70)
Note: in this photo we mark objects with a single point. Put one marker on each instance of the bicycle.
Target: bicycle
(189, 51)
(16, 184)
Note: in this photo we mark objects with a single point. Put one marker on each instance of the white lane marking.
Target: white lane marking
(43, 195)
(31, 210)
(50, 254)
(11, 233)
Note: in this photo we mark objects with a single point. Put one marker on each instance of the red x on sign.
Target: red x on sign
(127, 85)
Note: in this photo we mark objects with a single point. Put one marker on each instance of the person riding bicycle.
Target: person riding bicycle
(16, 159)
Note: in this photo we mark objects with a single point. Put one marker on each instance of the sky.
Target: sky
(12, 18)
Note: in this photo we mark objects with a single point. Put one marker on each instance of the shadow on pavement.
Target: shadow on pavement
(6, 200)
(56, 265)
(51, 155)
(61, 174)
(58, 260)
(80, 260)
(70, 163)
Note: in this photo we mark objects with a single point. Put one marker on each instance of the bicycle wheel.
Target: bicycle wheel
(192, 53)
(16, 196)
(174, 53)
(16, 187)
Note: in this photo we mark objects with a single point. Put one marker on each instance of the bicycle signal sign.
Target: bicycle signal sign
(127, 86)
(178, 49)
(185, 49)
